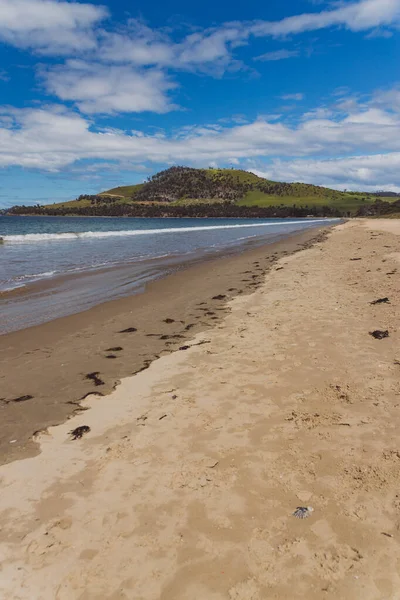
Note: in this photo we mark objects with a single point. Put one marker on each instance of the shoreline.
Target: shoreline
(187, 479)
(109, 282)
(59, 355)
(77, 216)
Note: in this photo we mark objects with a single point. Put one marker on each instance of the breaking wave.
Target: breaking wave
(72, 235)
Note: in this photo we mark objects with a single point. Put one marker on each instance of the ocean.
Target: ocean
(54, 266)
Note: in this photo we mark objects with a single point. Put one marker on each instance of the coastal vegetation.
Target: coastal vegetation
(189, 192)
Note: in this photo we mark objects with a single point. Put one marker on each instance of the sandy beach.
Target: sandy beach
(184, 484)
(48, 369)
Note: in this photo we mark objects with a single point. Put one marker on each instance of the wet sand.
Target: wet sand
(185, 486)
(48, 369)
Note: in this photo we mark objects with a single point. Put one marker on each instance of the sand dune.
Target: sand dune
(185, 486)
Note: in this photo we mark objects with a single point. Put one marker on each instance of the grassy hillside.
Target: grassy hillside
(237, 174)
(182, 186)
(126, 191)
(187, 187)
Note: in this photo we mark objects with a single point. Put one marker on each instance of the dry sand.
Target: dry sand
(185, 486)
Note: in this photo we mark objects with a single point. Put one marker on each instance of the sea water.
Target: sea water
(80, 262)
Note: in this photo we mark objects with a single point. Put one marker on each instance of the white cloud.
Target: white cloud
(356, 16)
(97, 88)
(364, 173)
(137, 45)
(277, 55)
(214, 46)
(54, 138)
(389, 99)
(55, 26)
(208, 51)
(296, 97)
(379, 33)
(49, 25)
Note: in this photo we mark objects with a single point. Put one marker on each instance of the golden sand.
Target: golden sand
(185, 486)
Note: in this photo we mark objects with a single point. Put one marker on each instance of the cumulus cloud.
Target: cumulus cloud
(142, 45)
(60, 26)
(50, 25)
(364, 173)
(97, 88)
(145, 46)
(54, 138)
(209, 50)
(126, 69)
(356, 16)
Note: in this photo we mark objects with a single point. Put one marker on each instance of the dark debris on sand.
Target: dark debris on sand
(78, 432)
(95, 378)
(21, 398)
(378, 334)
(198, 344)
(381, 301)
(129, 330)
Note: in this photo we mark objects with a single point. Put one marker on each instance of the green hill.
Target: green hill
(125, 191)
(183, 185)
(184, 191)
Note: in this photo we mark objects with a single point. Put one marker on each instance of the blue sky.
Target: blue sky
(98, 94)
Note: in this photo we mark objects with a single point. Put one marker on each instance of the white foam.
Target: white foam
(50, 237)
(10, 287)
